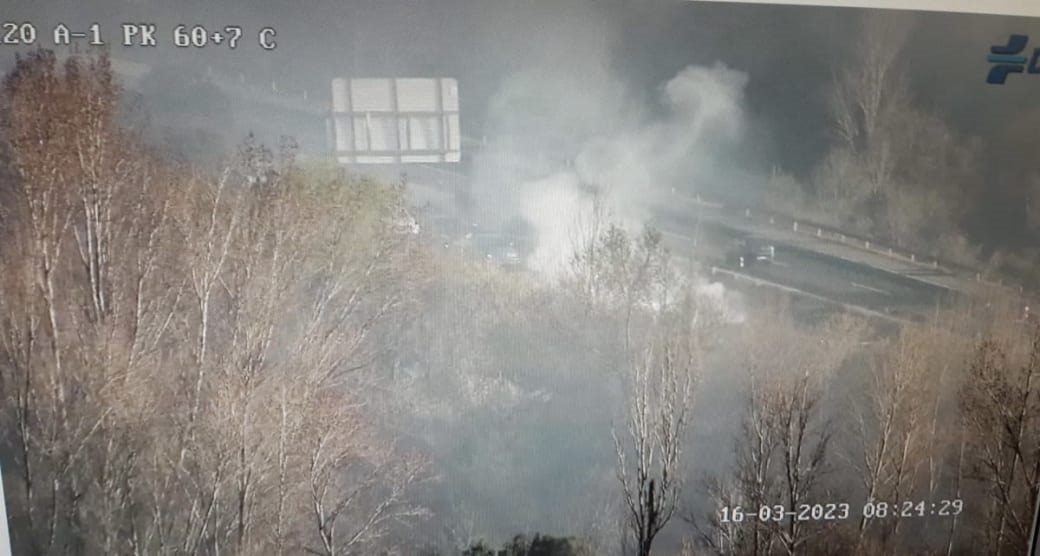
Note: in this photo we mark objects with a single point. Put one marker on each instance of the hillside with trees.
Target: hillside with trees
(266, 358)
(902, 172)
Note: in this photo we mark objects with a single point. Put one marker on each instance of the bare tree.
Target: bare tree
(630, 282)
(893, 163)
(1000, 405)
(783, 450)
(650, 457)
(357, 490)
(586, 262)
(868, 97)
(624, 278)
(795, 403)
(166, 335)
(71, 164)
(892, 426)
(742, 491)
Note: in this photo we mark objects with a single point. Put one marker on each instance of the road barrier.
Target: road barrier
(907, 256)
(931, 262)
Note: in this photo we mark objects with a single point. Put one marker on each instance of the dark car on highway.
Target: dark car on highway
(751, 251)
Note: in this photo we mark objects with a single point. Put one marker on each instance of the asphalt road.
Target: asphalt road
(797, 268)
(818, 269)
(849, 283)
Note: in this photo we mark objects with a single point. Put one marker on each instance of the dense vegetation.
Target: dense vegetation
(268, 359)
(897, 170)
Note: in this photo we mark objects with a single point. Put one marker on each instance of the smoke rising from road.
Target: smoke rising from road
(562, 150)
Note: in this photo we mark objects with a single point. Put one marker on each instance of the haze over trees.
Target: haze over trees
(897, 171)
(160, 396)
(266, 358)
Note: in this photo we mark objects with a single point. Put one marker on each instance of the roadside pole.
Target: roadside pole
(5, 537)
(1034, 538)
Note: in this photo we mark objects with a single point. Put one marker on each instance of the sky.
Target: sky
(788, 53)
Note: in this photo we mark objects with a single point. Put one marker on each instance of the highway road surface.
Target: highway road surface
(847, 248)
(798, 269)
(823, 272)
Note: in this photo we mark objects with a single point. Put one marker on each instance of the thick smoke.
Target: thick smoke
(564, 141)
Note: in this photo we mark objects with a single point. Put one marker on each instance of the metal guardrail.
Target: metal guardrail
(903, 255)
(808, 228)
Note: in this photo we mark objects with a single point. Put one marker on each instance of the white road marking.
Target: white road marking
(678, 235)
(760, 282)
(875, 290)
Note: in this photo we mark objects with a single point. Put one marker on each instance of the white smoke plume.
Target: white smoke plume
(552, 206)
(564, 139)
